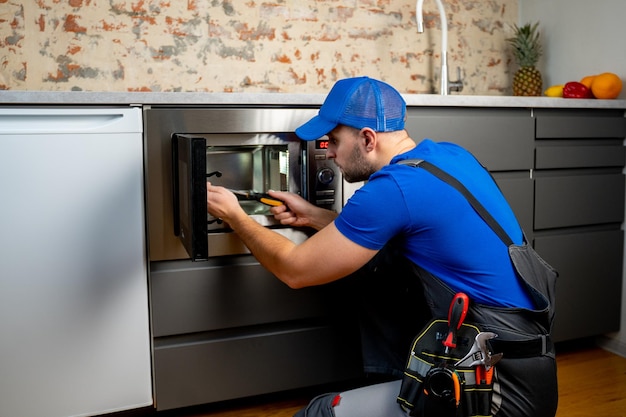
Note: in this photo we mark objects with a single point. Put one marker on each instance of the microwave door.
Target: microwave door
(189, 194)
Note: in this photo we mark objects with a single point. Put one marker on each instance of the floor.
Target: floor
(592, 382)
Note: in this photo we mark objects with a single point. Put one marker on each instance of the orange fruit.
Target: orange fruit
(586, 81)
(606, 86)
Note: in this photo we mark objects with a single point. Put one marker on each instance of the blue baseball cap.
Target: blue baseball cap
(357, 102)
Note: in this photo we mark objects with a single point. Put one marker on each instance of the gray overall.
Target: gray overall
(525, 382)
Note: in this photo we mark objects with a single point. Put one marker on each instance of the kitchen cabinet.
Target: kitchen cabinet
(579, 210)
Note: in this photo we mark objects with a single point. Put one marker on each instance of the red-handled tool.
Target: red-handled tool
(458, 310)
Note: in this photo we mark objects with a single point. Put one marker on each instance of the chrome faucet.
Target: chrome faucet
(445, 86)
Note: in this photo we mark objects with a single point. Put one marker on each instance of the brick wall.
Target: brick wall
(290, 46)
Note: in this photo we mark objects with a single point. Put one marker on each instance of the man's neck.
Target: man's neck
(398, 143)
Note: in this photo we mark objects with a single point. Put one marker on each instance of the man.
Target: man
(449, 247)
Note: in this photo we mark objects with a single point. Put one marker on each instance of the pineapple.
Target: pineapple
(527, 50)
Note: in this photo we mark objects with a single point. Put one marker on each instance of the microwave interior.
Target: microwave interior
(246, 166)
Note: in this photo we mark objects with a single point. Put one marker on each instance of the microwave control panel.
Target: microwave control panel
(324, 180)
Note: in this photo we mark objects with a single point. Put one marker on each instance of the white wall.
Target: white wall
(582, 37)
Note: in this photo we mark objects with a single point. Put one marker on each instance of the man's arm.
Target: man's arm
(324, 257)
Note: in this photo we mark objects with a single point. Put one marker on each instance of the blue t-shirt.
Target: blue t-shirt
(438, 228)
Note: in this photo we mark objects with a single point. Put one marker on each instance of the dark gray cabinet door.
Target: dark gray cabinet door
(580, 123)
(588, 290)
(191, 297)
(579, 199)
(559, 154)
(244, 363)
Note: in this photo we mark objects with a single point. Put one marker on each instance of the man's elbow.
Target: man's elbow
(294, 283)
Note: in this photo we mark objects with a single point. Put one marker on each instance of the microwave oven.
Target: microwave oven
(243, 149)
(250, 165)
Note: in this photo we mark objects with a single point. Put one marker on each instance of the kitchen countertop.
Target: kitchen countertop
(11, 97)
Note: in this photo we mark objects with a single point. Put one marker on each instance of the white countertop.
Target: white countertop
(12, 97)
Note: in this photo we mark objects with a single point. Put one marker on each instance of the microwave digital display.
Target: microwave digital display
(321, 144)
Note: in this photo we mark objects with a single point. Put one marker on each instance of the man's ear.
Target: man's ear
(370, 138)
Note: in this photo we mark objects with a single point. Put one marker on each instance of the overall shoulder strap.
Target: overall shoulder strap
(449, 179)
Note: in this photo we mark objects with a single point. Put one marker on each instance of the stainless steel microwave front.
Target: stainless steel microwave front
(248, 150)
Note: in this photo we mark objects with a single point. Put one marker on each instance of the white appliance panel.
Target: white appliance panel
(73, 271)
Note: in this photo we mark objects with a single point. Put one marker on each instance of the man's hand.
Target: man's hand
(298, 212)
(222, 204)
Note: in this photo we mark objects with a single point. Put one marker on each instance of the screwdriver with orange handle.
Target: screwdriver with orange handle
(456, 315)
(260, 197)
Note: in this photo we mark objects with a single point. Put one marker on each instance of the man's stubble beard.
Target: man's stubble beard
(357, 168)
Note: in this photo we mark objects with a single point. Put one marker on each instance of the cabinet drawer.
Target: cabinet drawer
(581, 124)
(501, 139)
(188, 297)
(588, 291)
(578, 200)
(577, 156)
(205, 371)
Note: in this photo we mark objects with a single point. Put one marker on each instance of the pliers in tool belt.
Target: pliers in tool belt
(484, 376)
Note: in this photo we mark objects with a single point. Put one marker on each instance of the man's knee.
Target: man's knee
(320, 406)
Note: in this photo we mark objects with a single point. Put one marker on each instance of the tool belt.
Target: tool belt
(434, 386)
